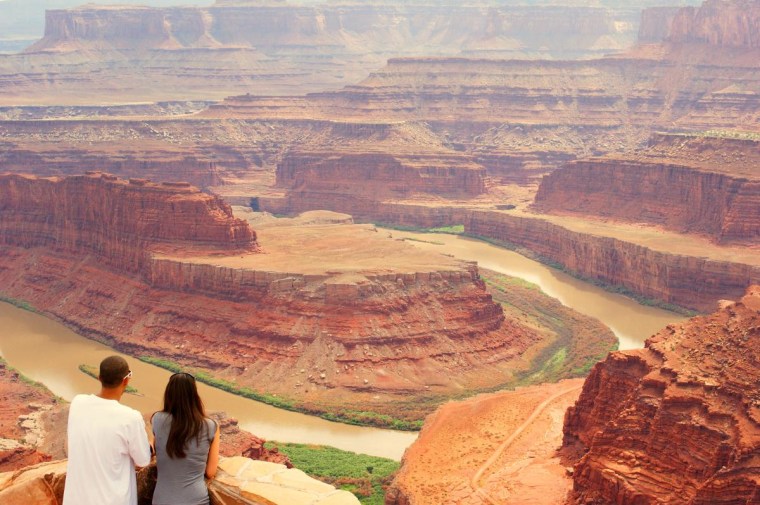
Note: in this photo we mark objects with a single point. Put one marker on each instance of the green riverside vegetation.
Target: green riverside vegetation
(364, 476)
(346, 416)
(21, 304)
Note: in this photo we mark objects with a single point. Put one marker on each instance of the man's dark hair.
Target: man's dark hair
(113, 369)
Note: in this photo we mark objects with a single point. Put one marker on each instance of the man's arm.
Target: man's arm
(139, 447)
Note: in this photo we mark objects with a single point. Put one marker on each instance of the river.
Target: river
(49, 352)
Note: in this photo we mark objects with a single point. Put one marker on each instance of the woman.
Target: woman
(187, 445)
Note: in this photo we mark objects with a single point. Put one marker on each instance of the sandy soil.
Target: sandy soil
(314, 245)
(492, 449)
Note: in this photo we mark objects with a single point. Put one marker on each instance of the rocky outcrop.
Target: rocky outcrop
(239, 481)
(321, 326)
(235, 442)
(726, 23)
(23, 410)
(380, 174)
(687, 184)
(677, 422)
(114, 220)
(157, 165)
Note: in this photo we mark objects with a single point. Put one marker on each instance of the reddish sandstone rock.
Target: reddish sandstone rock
(23, 409)
(116, 220)
(336, 174)
(236, 442)
(733, 23)
(328, 318)
(492, 448)
(677, 422)
(687, 184)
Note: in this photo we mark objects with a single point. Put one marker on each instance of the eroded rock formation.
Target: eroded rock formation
(719, 23)
(688, 184)
(374, 175)
(276, 47)
(117, 221)
(322, 319)
(493, 448)
(24, 414)
(677, 422)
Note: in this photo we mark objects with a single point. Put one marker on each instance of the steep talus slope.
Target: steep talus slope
(677, 422)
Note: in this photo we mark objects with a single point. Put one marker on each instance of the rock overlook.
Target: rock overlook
(677, 422)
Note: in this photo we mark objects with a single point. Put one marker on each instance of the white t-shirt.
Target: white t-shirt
(106, 441)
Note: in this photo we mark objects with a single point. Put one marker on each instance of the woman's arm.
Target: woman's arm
(213, 454)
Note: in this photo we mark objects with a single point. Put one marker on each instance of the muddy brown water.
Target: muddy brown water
(631, 322)
(49, 352)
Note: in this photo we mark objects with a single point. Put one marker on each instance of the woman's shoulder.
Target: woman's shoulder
(160, 416)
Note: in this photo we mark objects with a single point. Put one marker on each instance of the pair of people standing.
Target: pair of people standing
(106, 440)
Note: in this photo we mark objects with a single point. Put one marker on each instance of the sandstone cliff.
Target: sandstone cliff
(656, 24)
(322, 320)
(677, 422)
(689, 280)
(114, 220)
(688, 184)
(277, 48)
(733, 23)
(378, 174)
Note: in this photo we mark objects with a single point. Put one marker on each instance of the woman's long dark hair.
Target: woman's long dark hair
(181, 400)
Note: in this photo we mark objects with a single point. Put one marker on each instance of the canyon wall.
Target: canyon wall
(115, 220)
(676, 422)
(377, 174)
(689, 281)
(569, 31)
(92, 54)
(687, 184)
(720, 23)
(164, 270)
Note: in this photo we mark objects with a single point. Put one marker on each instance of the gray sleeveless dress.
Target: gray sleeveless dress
(181, 481)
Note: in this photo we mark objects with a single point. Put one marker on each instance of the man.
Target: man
(106, 441)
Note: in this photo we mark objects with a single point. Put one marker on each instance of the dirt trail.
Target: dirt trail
(494, 449)
(515, 460)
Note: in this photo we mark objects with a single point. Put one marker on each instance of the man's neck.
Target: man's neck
(111, 393)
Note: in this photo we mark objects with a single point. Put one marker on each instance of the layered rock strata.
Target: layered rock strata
(377, 174)
(677, 422)
(114, 220)
(317, 318)
(718, 23)
(689, 279)
(687, 184)
(276, 47)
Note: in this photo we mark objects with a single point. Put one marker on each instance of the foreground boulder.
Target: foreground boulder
(239, 481)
